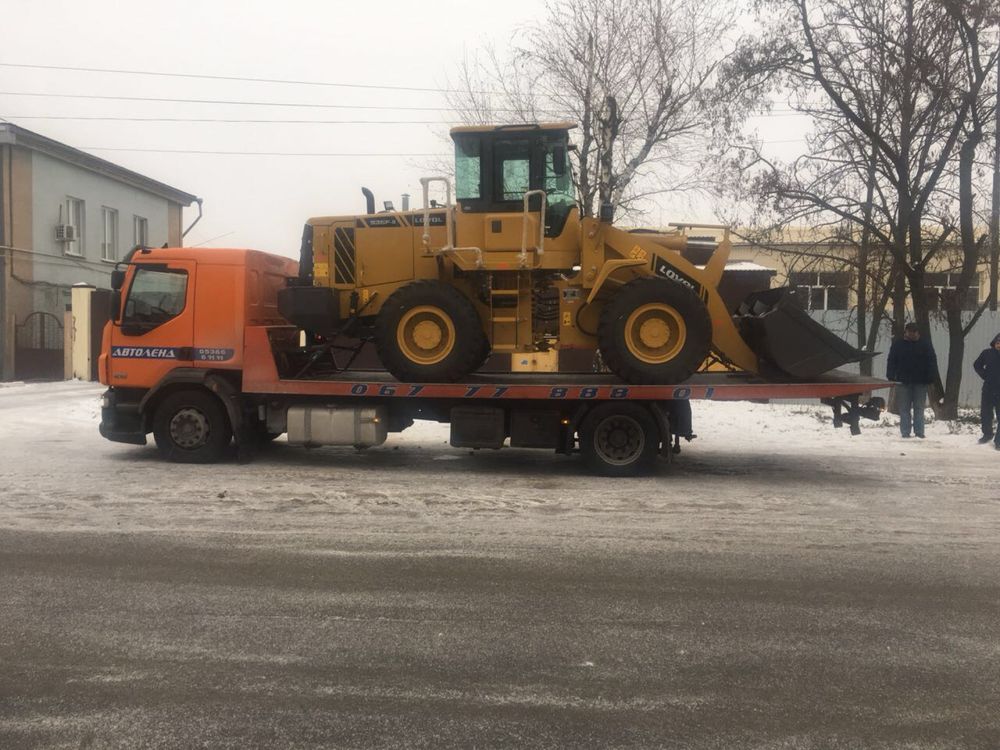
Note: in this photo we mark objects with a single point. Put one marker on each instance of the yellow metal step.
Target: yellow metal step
(504, 292)
(504, 320)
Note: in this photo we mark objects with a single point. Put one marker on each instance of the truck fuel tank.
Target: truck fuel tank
(362, 427)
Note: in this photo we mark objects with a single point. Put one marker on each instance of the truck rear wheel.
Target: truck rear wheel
(191, 427)
(654, 331)
(620, 439)
(428, 331)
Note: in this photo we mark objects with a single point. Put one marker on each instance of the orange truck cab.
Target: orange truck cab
(178, 323)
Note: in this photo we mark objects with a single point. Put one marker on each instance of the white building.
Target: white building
(66, 217)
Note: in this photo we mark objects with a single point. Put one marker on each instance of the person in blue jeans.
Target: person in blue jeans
(912, 366)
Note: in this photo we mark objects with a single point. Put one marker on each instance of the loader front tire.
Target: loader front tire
(654, 331)
(428, 332)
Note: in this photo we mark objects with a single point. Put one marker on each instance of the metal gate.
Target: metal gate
(38, 348)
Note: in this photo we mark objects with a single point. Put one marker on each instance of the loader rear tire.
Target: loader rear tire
(620, 439)
(429, 332)
(654, 331)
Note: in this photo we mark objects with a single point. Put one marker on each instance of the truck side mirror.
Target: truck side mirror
(116, 305)
(117, 279)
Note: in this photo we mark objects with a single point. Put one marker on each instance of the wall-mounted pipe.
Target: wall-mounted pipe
(185, 232)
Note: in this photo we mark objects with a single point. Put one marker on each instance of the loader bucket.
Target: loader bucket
(780, 331)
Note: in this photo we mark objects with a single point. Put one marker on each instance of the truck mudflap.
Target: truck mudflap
(778, 329)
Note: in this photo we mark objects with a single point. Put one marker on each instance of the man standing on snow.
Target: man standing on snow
(987, 366)
(912, 366)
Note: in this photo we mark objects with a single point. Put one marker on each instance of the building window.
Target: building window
(822, 290)
(140, 232)
(109, 240)
(937, 284)
(75, 213)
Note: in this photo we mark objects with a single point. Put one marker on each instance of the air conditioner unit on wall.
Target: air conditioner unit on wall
(65, 233)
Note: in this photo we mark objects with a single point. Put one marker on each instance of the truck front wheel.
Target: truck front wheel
(191, 427)
(620, 439)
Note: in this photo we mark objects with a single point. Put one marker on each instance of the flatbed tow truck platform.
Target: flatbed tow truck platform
(620, 428)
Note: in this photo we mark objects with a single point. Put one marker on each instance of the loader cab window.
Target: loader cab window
(494, 169)
(512, 170)
(558, 181)
(156, 296)
(468, 168)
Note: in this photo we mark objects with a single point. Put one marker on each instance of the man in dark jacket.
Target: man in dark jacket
(987, 366)
(912, 366)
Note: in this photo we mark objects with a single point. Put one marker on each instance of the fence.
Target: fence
(843, 324)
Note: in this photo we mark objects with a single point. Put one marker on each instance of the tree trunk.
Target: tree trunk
(995, 212)
(970, 261)
(864, 252)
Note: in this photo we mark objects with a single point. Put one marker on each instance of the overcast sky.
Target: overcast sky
(254, 201)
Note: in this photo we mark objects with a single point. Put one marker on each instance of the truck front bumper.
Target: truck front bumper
(121, 421)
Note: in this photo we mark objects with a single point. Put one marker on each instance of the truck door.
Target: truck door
(156, 330)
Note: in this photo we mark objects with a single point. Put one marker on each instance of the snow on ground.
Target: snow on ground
(814, 484)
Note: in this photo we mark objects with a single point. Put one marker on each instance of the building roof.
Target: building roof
(746, 265)
(16, 135)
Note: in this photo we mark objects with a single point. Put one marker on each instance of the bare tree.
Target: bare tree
(893, 87)
(657, 60)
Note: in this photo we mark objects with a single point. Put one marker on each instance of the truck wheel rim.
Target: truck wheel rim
(189, 429)
(426, 335)
(655, 333)
(619, 440)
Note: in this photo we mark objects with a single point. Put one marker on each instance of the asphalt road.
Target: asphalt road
(417, 638)
(767, 592)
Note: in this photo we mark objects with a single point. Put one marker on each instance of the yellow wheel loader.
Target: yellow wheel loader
(509, 266)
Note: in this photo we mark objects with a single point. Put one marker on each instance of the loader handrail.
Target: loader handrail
(524, 226)
(449, 222)
(425, 182)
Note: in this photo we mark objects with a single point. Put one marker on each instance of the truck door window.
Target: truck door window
(156, 296)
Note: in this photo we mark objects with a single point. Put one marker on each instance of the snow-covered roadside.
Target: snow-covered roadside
(784, 461)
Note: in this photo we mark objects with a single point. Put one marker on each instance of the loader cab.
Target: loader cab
(496, 166)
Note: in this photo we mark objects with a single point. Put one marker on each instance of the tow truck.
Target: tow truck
(198, 353)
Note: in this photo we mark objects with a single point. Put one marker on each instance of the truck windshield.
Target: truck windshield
(156, 296)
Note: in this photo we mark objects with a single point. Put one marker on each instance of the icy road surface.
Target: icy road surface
(783, 585)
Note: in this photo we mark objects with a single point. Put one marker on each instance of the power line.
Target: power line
(204, 76)
(313, 105)
(211, 152)
(224, 120)
(248, 79)
(244, 153)
(242, 120)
